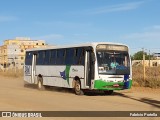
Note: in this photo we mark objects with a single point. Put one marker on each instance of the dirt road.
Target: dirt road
(15, 97)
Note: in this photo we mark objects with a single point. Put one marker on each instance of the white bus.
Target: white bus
(87, 67)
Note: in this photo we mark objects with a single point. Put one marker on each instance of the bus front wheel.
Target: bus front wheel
(77, 88)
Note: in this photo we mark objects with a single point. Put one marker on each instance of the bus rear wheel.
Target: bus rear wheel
(108, 92)
(77, 88)
(40, 84)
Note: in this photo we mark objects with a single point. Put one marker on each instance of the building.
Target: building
(151, 63)
(12, 53)
(156, 56)
(0, 57)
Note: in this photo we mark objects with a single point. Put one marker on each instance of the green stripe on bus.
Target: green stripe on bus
(103, 85)
(67, 72)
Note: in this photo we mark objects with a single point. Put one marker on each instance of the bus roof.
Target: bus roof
(94, 44)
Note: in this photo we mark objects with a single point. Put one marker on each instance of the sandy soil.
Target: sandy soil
(16, 97)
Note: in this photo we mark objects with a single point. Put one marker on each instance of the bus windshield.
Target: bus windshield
(113, 62)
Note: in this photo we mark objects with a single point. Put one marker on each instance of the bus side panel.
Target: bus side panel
(27, 73)
(51, 74)
(60, 76)
(79, 72)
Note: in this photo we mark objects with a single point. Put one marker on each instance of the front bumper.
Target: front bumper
(103, 85)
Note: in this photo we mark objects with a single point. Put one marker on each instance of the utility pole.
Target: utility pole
(149, 59)
(15, 66)
(144, 70)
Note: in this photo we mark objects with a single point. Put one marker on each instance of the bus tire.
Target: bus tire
(40, 83)
(77, 88)
(25, 84)
(108, 92)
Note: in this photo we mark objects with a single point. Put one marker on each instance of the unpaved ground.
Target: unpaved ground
(15, 97)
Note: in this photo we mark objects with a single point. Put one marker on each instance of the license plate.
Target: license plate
(115, 85)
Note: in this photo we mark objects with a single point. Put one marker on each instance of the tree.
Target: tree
(139, 56)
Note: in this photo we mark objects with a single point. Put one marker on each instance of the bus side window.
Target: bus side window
(69, 56)
(53, 57)
(28, 59)
(82, 57)
(60, 57)
(40, 58)
(78, 56)
(47, 57)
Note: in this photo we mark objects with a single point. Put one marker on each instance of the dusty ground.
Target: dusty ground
(15, 97)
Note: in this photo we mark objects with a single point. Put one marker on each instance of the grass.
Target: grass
(152, 78)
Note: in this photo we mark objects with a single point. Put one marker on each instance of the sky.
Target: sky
(135, 23)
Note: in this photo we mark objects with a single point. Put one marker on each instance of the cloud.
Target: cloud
(152, 28)
(8, 18)
(80, 34)
(144, 36)
(111, 8)
(50, 37)
(64, 24)
(118, 7)
(153, 34)
(156, 27)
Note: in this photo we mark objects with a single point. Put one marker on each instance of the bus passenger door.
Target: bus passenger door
(89, 68)
(33, 69)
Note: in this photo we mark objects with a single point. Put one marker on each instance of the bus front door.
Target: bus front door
(33, 69)
(87, 69)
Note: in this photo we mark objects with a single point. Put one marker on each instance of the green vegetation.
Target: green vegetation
(139, 56)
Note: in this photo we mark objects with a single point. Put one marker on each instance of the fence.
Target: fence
(152, 76)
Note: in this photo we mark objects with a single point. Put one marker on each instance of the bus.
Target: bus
(98, 66)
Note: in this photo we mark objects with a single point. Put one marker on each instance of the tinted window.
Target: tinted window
(60, 60)
(53, 57)
(79, 56)
(74, 56)
(28, 59)
(41, 57)
(46, 57)
(69, 56)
